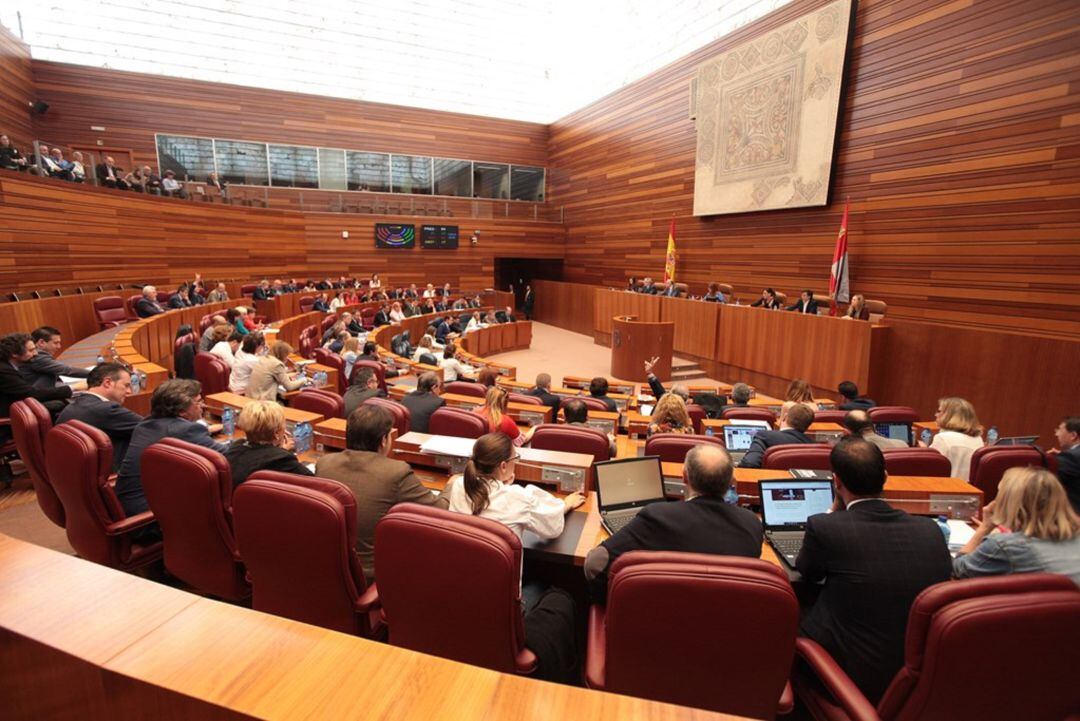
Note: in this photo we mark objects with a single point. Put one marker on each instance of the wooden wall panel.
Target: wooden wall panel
(16, 90)
(958, 150)
(566, 305)
(695, 326)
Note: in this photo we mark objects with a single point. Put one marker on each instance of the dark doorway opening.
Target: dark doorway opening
(519, 272)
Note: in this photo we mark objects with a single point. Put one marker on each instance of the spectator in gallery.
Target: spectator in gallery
(10, 157)
(78, 170)
(109, 175)
(135, 181)
(213, 181)
(53, 163)
(151, 182)
(768, 300)
(171, 187)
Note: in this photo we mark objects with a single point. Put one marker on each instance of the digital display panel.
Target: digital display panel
(439, 236)
(394, 235)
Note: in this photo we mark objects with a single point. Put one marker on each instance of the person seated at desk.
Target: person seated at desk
(798, 391)
(180, 299)
(874, 560)
(226, 343)
(423, 401)
(670, 416)
(175, 409)
(17, 350)
(442, 331)
(487, 377)
(657, 388)
(353, 324)
(43, 370)
(475, 323)
(504, 316)
(576, 413)
(206, 341)
(374, 283)
(805, 304)
(350, 351)
(768, 300)
(266, 445)
(542, 390)
(487, 490)
(859, 425)
(714, 295)
(1068, 458)
(331, 334)
(377, 481)
(271, 372)
(795, 418)
(365, 385)
(475, 302)
(218, 294)
(741, 395)
(370, 354)
(262, 290)
(852, 401)
(148, 306)
(425, 347)
(494, 413)
(857, 308)
(959, 434)
(701, 523)
(669, 289)
(429, 291)
(396, 313)
(321, 304)
(411, 292)
(382, 316)
(598, 388)
(252, 349)
(245, 320)
(1028, 528)
(453, 368)
(101, 406)
(647, 286)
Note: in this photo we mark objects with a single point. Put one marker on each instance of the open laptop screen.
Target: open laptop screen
(629, 482)
(739, 438)
(896, 431)
(788, 503)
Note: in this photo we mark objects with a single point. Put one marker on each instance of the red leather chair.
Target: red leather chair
(916, 462)
(814, 456)
(297, 536)
(207, 320)
(319, 400)
(572, 439)
(78, 460)
(829, 416)
(749, 413)
(673, 447)
(163, 298)
(989, 463)
(30, 423)
(672, 656)
(459, 422)
(1027, 623)
(593, 404)
(522, 398)
(401, 415)
(466, 388)
(478, 622)
(183, 340)
(307, 302)
(308, 344)
(367, 318)
(190, 490)
(326, 322)
(893, 414)
(697, 416)
(109, 311)
(212, 373)
(328, 358)
(129, 306)
(248, 289)
(379, 368)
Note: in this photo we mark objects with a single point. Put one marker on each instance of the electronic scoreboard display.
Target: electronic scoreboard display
(439, 236)
(394, 235)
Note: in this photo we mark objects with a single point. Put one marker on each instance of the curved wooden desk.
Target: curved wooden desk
(635, 341)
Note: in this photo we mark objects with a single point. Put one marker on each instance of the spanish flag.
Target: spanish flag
(669, 263)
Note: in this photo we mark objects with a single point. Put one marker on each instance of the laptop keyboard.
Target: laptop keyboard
(787, 546)
(616, 523)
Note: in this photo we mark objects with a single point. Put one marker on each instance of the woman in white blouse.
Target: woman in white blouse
(225, 342)
(453, 369)
(337, 303)
(252, 348)
(959, 434)
(396, 314)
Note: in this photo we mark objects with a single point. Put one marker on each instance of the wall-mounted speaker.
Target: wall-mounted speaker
(38, 107)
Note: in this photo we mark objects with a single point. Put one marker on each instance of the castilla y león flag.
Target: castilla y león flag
(669, 262)
(838, 278)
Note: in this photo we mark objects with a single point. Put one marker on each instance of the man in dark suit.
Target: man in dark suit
(542, 390)
(670, 289)
(528, 302)
(647, 286)
(370, 354)
(365, 385)
(147, 305)
(874, 560)
(43, 370)
(442, 330)
(806, 303)
(181, 298)
(598, 388)
(378, 482)
(795, 418)
(852, 401)
(17, 349)
(262, 291)
(352, 324)
(109, 175)
(423, 401)
(382, 316)
(101, 406)
(1068, 458)
(741, 395)
(703, 523)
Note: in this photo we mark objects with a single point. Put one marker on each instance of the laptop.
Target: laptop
(895, 431)
(786, 503)
(1016, 441)
(737, 439)
(625, 486)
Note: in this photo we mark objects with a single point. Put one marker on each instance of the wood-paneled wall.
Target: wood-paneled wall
(959, 151)
(16, 90)
(566, 305)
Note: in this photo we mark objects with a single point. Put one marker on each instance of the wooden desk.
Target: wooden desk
(516, 386)
(216, 403)
(522, 413)
(606, 421)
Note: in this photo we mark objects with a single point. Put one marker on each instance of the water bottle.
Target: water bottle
(320, 378)
(708, 431)
(228, 422)
(731, 495)
(302, 437)
(992, 436)
(142, 381)
(134, 383)
(943, 524)
(100, 359)
(926, 436)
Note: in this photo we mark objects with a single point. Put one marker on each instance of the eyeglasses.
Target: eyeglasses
(513, 458)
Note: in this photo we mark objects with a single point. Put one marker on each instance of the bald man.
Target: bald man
(703, 523)
(860, 426)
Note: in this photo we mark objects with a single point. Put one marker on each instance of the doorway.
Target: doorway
(519, 272)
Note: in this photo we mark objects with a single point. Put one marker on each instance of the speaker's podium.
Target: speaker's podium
(633, 342)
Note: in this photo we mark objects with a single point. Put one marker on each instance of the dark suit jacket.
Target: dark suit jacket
(874, 560)
(178, 301)
(44, 371)
(113, 419)
(381, 318)
(320, 306)
(529, 301)
(378, 483)
(1069, 473)
(611, 405)
(656, 387)
(355, 327)
(14, 387)
(762, 303)
(700, 525)
(813, 307)
(144, 307)
(857, 404)
(259, 294)
(767, 439)
(548, 398)
(102, 171)
(245, 458)
(355, 397)
(421, 406)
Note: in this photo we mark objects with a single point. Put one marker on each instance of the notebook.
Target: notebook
(786, 503)
(625, 486)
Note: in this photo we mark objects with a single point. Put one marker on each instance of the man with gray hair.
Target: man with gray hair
(542, 390)
(148, 305)
(703, 523)
(423, 401)
(740, 395)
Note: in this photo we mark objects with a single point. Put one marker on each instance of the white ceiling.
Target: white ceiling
(535, 60)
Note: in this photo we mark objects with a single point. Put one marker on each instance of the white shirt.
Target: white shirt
(473, 325)
(429, 293)
(241, 371)
(519, 508)
(957, 447)
(170, 184)
(454, 369)
(223, 350)
(337, 303)
(397, 316)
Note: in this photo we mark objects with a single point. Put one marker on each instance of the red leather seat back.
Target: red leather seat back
(749, 414)
(829, 416)
(401, 415)
(189, 488)
(814, 456)
(522, 398)
(447, 421)
(297, 536)
(326, 322)
(327, 358)
(466, 388)
(1027, 623)
(380, 371)
(367, 317)
(989, 463)
(473, 580)
(637, 647)
(206, 321)
(697, 416)
(129, 306)
(163, 298)
(893, 414)
(307, 302)
(593, 404)
(212, 373)
(30, 423)
(183, 340)
(572, 439)
(673, 447)
(916, 462)
(247, 289)
(319, 400)
(109, 311)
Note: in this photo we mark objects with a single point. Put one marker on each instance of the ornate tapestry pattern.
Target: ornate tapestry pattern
(766, 117)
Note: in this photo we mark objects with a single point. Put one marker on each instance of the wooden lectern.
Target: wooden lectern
(633, 342)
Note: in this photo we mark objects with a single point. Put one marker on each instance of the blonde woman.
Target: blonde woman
(266, 445)
(425, 346)
(494, 413)
(959, 434)
(857, 308)
(799, 391)
(670, 416)
(349, 353)
(271, 372)
(1029, 528)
